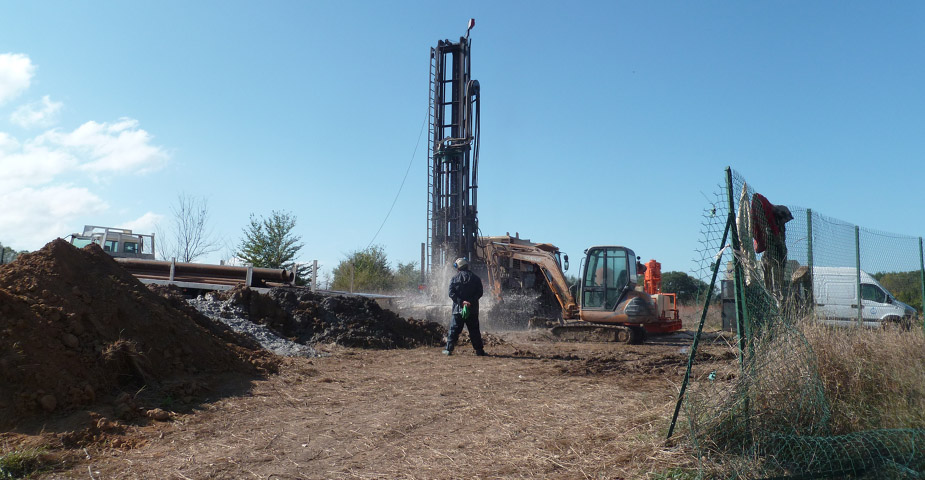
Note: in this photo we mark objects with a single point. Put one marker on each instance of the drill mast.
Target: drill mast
(453, 155)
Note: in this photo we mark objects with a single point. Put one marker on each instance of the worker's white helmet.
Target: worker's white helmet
(461, 263)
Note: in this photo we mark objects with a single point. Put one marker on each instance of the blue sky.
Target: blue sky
(602, 122)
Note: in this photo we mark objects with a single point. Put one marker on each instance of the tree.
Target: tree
(7, 254)
(407, 276)
(905, 286)
(366, 270)
(191, 237)
(271, 243)
(686, 287)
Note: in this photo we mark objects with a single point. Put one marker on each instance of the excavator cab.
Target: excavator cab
(609, 273)
(611, 307)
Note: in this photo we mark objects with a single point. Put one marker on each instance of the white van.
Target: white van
(836, 293)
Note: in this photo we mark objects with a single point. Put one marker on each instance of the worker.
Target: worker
(770, 233)
(465, 290)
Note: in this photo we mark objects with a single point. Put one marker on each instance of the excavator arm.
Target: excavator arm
(542, 256)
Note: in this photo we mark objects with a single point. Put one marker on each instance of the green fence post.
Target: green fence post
(922, 270)
(742, 326)
(809, 263)
(857, 258)
(809, 240)
(708, 297)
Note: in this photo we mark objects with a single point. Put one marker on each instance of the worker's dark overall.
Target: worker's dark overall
(465, 287)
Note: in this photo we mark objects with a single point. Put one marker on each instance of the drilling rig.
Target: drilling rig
(607, 300)
(453, 156)
(508, 264)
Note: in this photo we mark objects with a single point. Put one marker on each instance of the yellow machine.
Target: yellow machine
(616, 295)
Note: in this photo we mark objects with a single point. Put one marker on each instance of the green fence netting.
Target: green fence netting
(770, 416)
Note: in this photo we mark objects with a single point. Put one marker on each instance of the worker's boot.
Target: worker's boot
(449, 349)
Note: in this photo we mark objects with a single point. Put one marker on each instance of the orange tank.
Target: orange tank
(653, 283)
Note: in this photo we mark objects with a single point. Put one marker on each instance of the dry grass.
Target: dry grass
(690, 317)
(872, 378)
(535, 409)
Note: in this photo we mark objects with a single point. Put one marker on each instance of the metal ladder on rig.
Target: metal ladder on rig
(439, 213)
(451, 181)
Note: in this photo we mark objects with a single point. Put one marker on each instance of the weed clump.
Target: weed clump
(22, 463)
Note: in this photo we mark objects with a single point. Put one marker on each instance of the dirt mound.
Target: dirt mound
(75, 328)
(351, 321)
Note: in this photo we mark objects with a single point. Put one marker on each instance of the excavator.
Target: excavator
(608, 302)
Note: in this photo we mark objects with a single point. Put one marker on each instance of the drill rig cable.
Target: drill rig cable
(407, 171)
(475, 160)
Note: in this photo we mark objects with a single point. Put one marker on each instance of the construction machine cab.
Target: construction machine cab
(118, 242)
(609, 273)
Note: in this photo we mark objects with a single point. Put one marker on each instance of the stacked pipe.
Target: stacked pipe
(205, 273)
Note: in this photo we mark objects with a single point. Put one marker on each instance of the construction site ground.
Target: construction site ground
(108, 379)
(533, 409)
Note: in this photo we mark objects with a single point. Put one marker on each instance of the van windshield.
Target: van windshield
(873, 293)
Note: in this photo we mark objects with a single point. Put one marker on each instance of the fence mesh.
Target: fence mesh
(771, 415)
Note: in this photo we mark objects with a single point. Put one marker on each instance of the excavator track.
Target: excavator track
(599, 332)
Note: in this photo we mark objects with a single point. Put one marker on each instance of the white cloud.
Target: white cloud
(40, 191)
(43, 113)
(16, 72)
(32, 217)
(146, 223)
(33, 165)
(119, 147)
(8, 143)
(42, 196)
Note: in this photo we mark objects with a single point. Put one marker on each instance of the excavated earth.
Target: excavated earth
(76, 329)
(101, 377)
(312, 318)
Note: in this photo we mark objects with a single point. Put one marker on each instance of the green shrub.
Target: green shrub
(21, 463)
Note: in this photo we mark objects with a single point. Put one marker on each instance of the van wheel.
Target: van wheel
(896, 323)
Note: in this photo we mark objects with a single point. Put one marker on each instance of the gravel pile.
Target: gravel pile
(233, 315)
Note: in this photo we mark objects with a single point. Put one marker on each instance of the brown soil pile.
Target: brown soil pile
(351, 321)
(75, 329)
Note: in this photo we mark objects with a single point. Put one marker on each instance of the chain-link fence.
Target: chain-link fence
(813, 395)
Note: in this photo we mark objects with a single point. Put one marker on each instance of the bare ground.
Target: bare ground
(535, 408)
